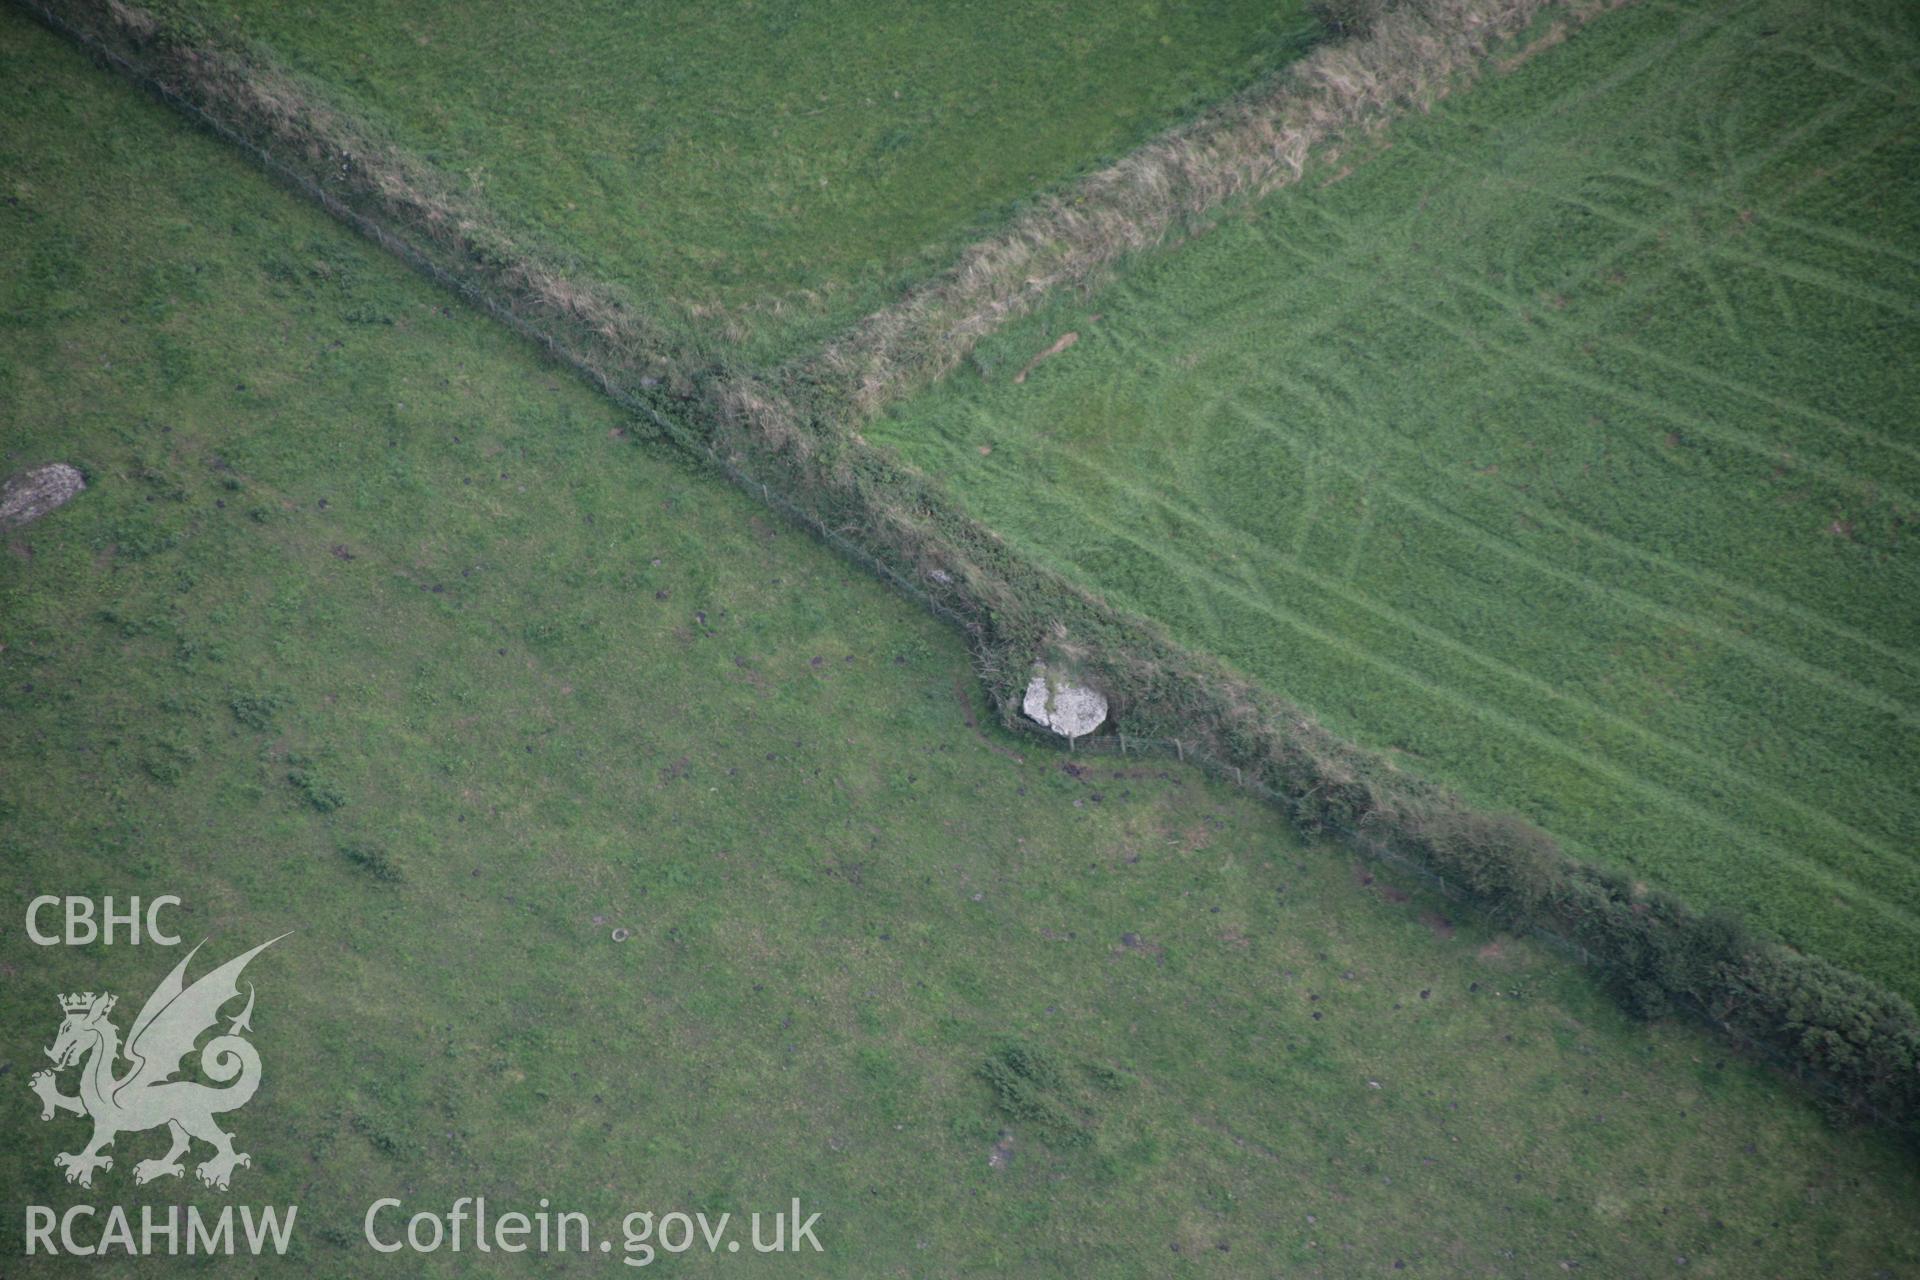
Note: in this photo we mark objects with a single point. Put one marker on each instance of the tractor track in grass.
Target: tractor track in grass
(1653, 405)
(1650, 232)
(862, 499)
(1892, 868)
(1757, 679)
(1864, 887)
(1700, 574)
(1368, 284)
(1627, 296)
(1761, 651)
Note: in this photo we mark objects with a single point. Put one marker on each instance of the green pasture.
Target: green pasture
(774, 168)
(1562, 444)
(372, 626)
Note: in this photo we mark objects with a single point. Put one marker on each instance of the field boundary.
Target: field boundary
(794, 443)
(1247, 147)
(1380, 846)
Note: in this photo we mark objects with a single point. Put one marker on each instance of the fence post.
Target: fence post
(1179, 750)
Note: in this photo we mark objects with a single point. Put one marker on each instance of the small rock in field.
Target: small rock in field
(27, 495)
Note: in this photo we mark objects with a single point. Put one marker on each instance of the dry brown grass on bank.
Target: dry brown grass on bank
(1248, 146)
(1415, 54)
(809, 459)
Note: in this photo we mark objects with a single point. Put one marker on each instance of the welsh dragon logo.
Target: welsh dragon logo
(146, 1096)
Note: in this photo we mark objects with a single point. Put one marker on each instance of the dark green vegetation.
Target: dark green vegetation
(776, 169)
(324, 501)
(1863, 1042)
(1564, 446)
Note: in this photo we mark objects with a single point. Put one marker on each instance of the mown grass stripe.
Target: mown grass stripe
(1894, 864)
(1834, 681)
(1546, 318)
(1761, 650)
(1369, 284)
(1815, 872)
(1327, 266)
(1650, 233)
(1768, 654)
(1014, 606)
(1875, 141)
(1647, 402)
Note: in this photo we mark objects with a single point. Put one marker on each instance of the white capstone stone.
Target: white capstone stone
(1070, 710)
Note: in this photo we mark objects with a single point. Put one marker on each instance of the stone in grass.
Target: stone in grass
(27, 495)
(1070, 710)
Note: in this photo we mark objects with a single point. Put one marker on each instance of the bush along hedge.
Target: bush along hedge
(792, 437)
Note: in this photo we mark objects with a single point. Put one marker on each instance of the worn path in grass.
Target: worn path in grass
(780, 168)
(359, 589)
(1563, 445)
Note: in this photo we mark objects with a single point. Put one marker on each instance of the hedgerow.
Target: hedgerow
(792, 436)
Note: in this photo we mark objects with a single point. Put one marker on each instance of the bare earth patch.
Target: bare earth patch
(1066, 340)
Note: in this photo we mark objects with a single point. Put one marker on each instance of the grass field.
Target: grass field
(778, 168)
(1563, 444)
(360, 589)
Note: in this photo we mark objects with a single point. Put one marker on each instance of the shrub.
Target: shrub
(375, 861)
(1863, 1040)
(167, 762)
(1508, 864)
(382, 1135)
(1029, 1088)
(256, 711)
(317, 790)
(1028, 1062)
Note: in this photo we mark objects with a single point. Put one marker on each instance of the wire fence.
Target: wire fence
(1370, 844)
(559, 351)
